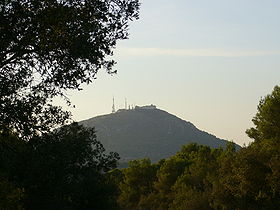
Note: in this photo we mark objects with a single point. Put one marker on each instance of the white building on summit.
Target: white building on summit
(146, 107)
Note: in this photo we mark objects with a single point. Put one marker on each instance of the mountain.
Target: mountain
(147, 132)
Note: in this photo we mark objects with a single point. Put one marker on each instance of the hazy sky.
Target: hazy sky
(208, 62)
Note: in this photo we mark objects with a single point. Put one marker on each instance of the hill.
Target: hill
(147, 132)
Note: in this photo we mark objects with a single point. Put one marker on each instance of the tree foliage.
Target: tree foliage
(11, 193)
(198, 178)
(65, 169)
(51, 46)
(137, 181)
(184, 179)
(267, 119)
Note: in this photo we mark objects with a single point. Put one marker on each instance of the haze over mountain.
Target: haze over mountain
(147, 132)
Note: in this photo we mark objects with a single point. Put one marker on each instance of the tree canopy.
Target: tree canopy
(267, 119)
(50, 46)
(64, 169)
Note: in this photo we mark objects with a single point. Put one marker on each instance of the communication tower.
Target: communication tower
(113, 107)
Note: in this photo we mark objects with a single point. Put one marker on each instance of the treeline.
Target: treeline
(199, 177)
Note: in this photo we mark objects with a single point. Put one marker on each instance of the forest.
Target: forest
(47, 161)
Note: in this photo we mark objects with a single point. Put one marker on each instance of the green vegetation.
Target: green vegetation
(64, 169)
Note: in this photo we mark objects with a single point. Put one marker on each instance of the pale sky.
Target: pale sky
(207, 62)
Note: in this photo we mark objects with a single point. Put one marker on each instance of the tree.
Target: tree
(50, 46)
(11, 194)
(66, 169)
(192, 189)
(247, 179)
(137, 182)
(267, 119)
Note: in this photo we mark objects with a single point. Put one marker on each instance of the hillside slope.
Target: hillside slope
(152, 133)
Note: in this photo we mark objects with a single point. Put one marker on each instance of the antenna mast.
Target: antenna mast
(113, 107)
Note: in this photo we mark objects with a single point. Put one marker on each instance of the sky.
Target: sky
(207, 62)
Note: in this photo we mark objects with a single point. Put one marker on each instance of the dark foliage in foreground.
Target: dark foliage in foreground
(65, 169)
(50, 46)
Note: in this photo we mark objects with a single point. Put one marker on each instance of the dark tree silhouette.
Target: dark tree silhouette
(64, 169)
(50, 46)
